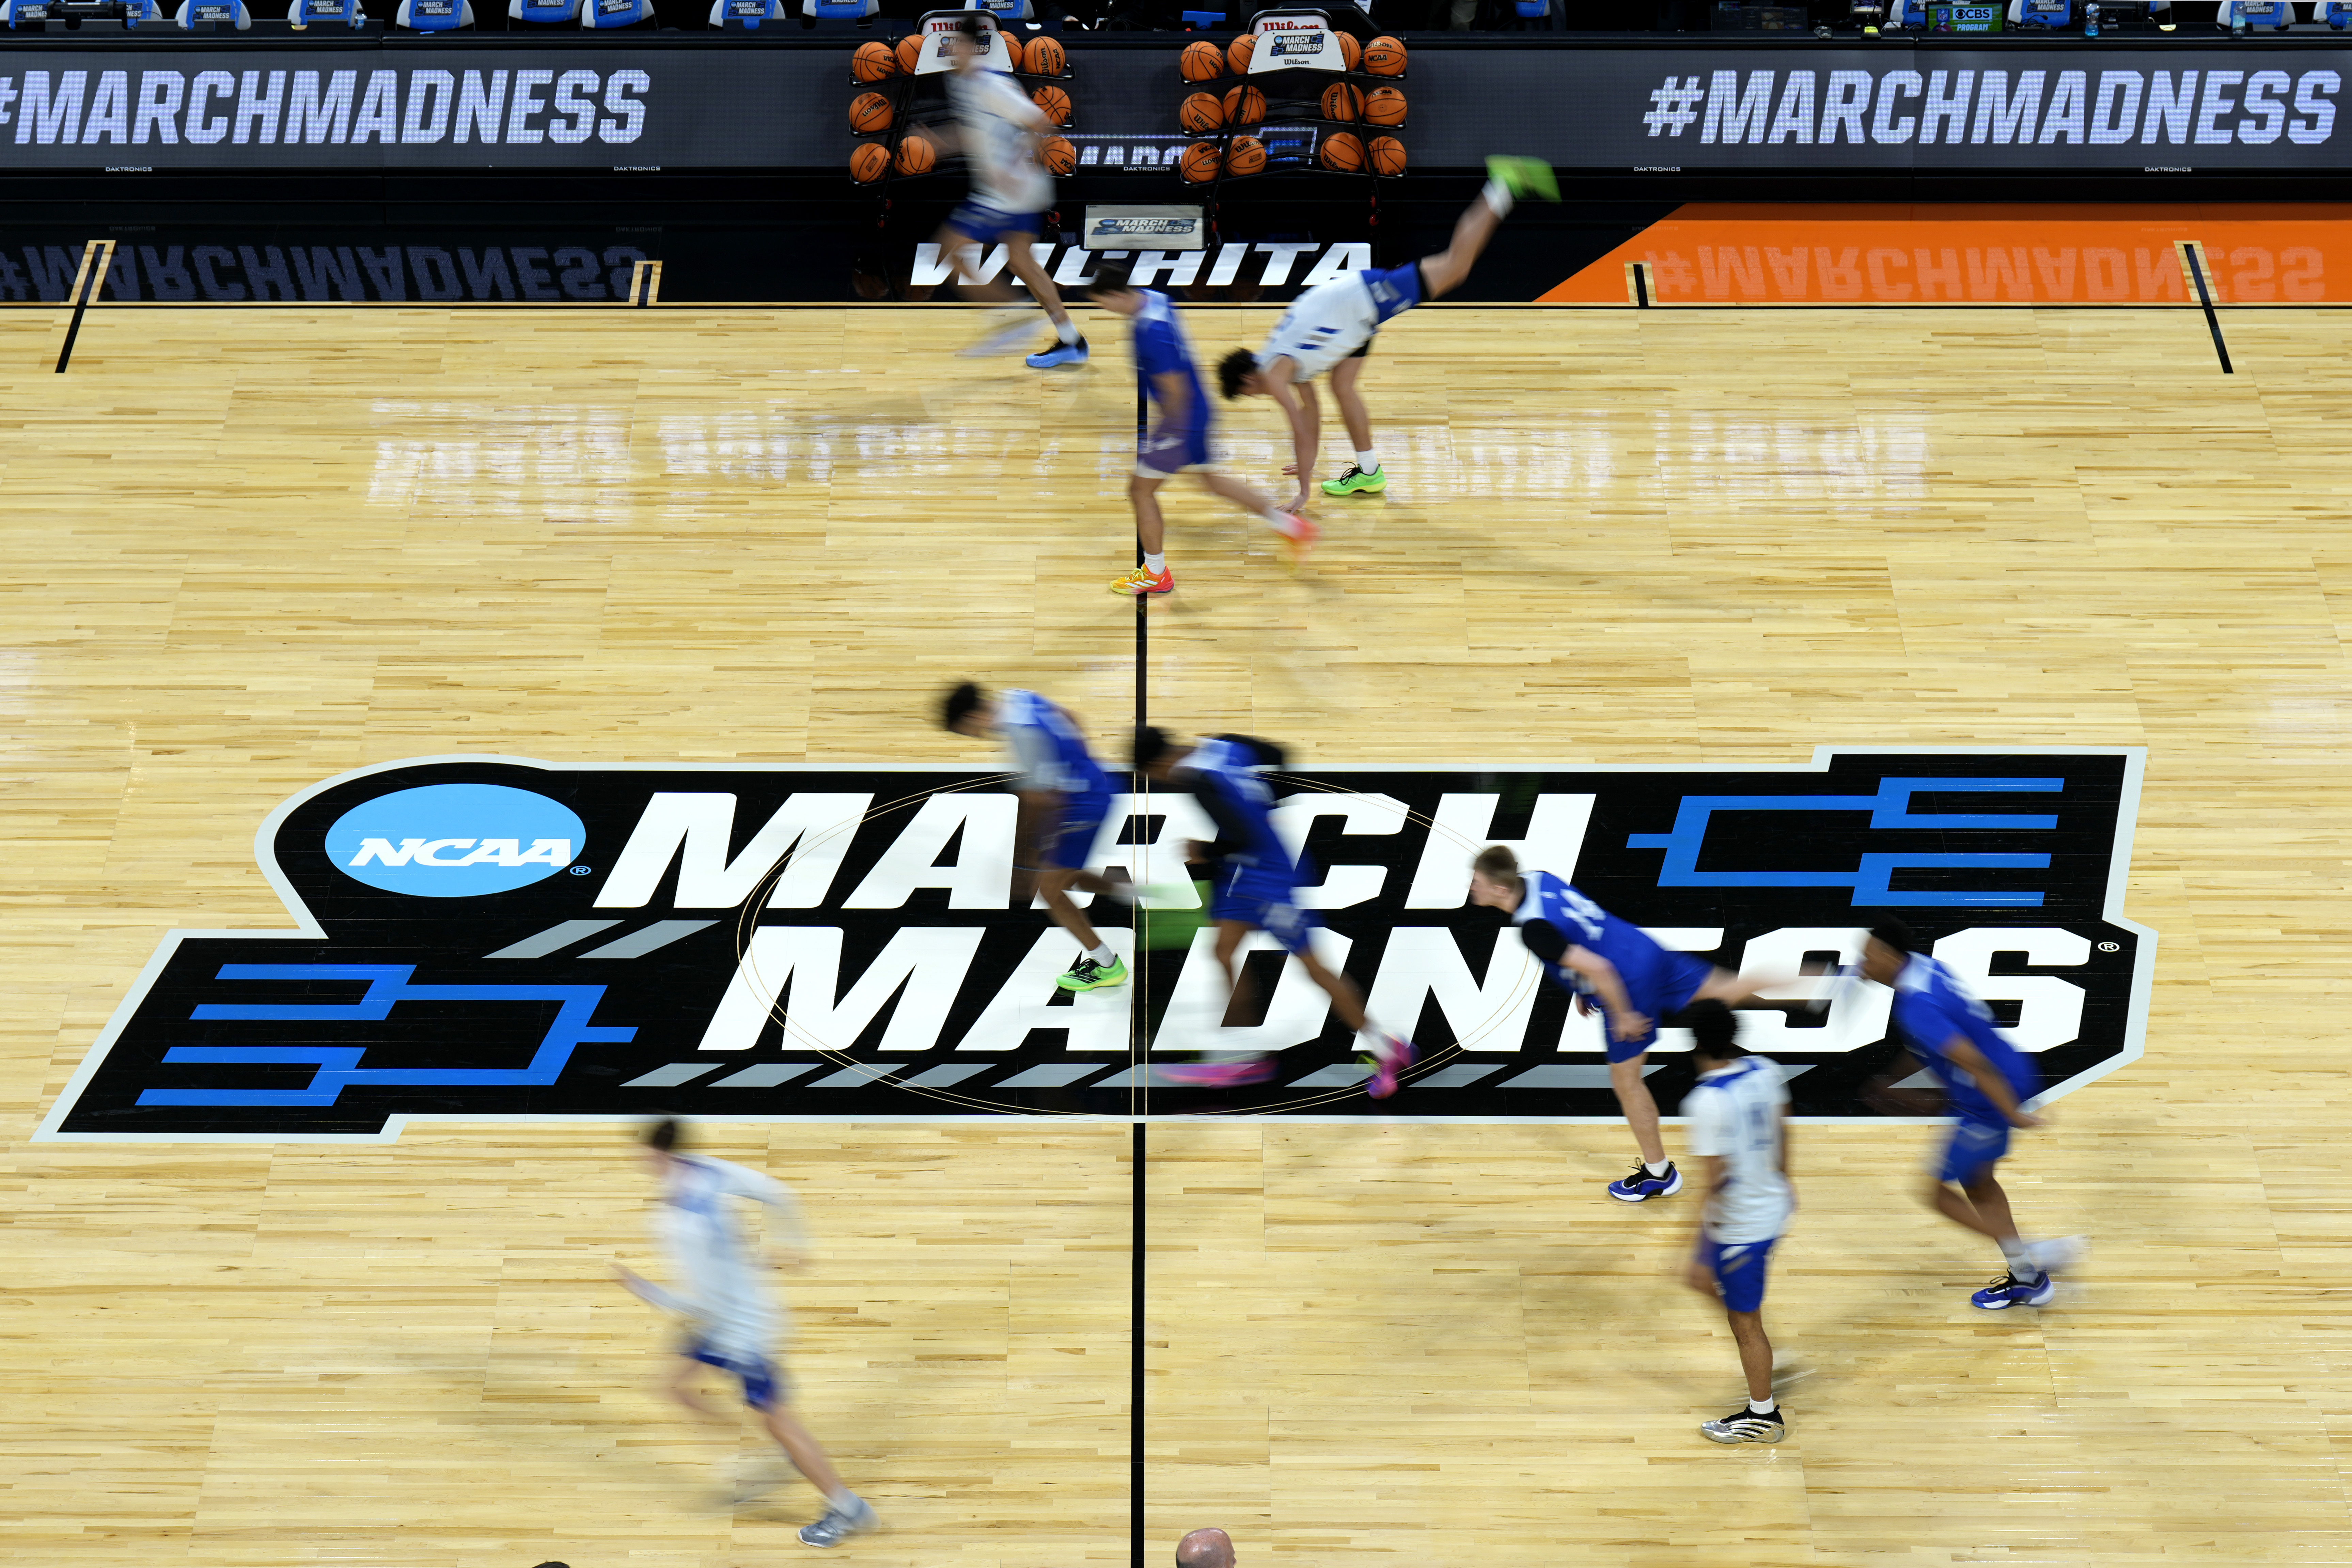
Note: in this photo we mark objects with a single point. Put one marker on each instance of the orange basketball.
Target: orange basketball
(1246, 156)
(869, 111)
(1200, 112)
(1350, 51)
(1245, 106)
(1237, 53)
(1340, 151)
(1054, 103)
(1384, 106)
(1199, 164)
(869, 162)
(910, 52)
(1340, 102)
(1201, 62)
(1061, 158)
(1384, 55)
(918, 155)
(1012, 50)
(1388, 156)
(1046, 57)
(872, 62)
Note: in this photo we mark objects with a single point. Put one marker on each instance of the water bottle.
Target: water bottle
(2090, 19)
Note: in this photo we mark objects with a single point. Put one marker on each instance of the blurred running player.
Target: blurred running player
(730, 1319)
(1178, 441)
(1255, 885)
(1987, 1082)
(1064, 796)
(1606, 961)
(1002, 135)
(1330, 328)
(1738, 1114)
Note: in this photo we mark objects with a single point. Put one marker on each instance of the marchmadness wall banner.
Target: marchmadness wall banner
(603, 104)
(487, 938)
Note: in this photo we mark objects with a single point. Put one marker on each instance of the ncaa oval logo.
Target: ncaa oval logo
(454, 841)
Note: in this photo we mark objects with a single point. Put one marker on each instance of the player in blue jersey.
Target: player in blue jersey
(1987, 1083)
(1065, 796)
(1178, 441)
(1608, 962)
(1331, 327)
(1254, 884)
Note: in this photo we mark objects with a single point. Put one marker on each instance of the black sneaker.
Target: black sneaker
(1746, 1427)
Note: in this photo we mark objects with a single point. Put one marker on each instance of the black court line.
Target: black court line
(2193, 253)
(97, 261)
(1134, 1370)
(1641, 270)
(1138, 1101)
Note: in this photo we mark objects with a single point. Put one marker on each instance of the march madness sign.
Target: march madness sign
(487, 938)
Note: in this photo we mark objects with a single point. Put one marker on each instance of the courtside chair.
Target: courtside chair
(23, 12)
(1004, 10)
(837, 11)
(2041, 14)
(2278, 15)
(192, 12)
(746, 14)
(325, 12)
(544, 13)
(615, 13)
(2336, 13)
(434, 16)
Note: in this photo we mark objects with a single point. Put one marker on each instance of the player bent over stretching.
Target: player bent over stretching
(1178, 441)
(1330, 328)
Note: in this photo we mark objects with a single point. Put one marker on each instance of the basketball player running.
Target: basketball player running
(1738, 1114)
(1256, 883)
(731, 1320)
(1064, 796)
(1330, 328)
(1607, 960)
(1002, 134)
(1179, 440)
(1987, 1081)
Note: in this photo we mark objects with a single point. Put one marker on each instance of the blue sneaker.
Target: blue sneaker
(1058, 355)
(2006, 1292)
(1641, 1186)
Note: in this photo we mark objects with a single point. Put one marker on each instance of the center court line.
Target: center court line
(2192, 259)
(97, 261)
(1138, 1100)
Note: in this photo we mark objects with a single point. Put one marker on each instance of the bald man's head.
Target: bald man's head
(1210, 1548)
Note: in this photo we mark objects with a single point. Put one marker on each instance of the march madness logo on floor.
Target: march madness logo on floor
(488, 938)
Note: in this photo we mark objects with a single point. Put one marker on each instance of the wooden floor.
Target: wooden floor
(247, 549)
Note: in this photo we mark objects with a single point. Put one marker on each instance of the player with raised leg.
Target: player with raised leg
(1178, 441)
(1987, 1081)
(731, 1320)
(1330, 328)
(1002, 135)
(1064, 794)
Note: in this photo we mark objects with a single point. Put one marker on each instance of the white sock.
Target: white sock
(1155, 564)
(1368, 461)
(1762, 1406)
(1102, 955)
(845, 1500)
(1497, 197)
(1067, 331)
(1656, 1167)
(2022, 1266)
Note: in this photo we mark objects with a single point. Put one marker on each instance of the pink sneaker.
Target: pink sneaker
(1218, 1075)
(1385, 1066)
(1301, 530)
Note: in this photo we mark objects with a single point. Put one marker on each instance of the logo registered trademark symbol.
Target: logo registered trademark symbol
(583, 870)
(2111, 947)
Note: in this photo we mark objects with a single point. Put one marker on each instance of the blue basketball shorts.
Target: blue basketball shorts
(989, 226)
(1263, 905)
(1973, 1146)
(1073, 839)
(762, 1386)
(1740, 1269)
(1166, 454)
(1665, 988)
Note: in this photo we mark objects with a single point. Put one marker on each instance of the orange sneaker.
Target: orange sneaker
(1142, 580)
(1300, 530)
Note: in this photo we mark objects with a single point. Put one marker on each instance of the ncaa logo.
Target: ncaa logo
(454, 841)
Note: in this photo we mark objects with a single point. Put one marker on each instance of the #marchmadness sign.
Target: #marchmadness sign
(491, 938)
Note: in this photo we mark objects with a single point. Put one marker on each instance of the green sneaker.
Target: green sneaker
(1524, 176)
(1085, 975)
(1356, 482)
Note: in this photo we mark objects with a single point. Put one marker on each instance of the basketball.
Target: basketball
(1061, 158)
(1384, 55)
(1200, 112)
(1384, 106)
(910, 52)
(1340, 151)
(1350, 51)
(1054, 103)
(869, 111)
(1201, 62)
(1388, 156)
(1340, 102)
(1245, 106)
(1046, 57)
(1199, 164)
(1237, 53)
(1246, 156)
(1012, 50)
(872, 62)
(868, 162)
(918, 155)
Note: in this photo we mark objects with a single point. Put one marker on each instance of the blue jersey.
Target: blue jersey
(1224, 778)
(1930, 1006)
(1161, 349)
(1590, 927)
(1048, 752)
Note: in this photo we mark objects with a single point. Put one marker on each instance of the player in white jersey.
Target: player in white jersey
(1001, 133)
(1739, 1116)
(730, 1319)
(1330, 326)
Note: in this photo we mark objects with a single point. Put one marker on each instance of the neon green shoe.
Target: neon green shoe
(1085, 975)
(1356, 482)
(1524, 176)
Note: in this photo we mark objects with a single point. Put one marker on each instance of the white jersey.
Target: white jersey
(1735, 1114)
(998, 119)
(1324, 326)
(721, 1283)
